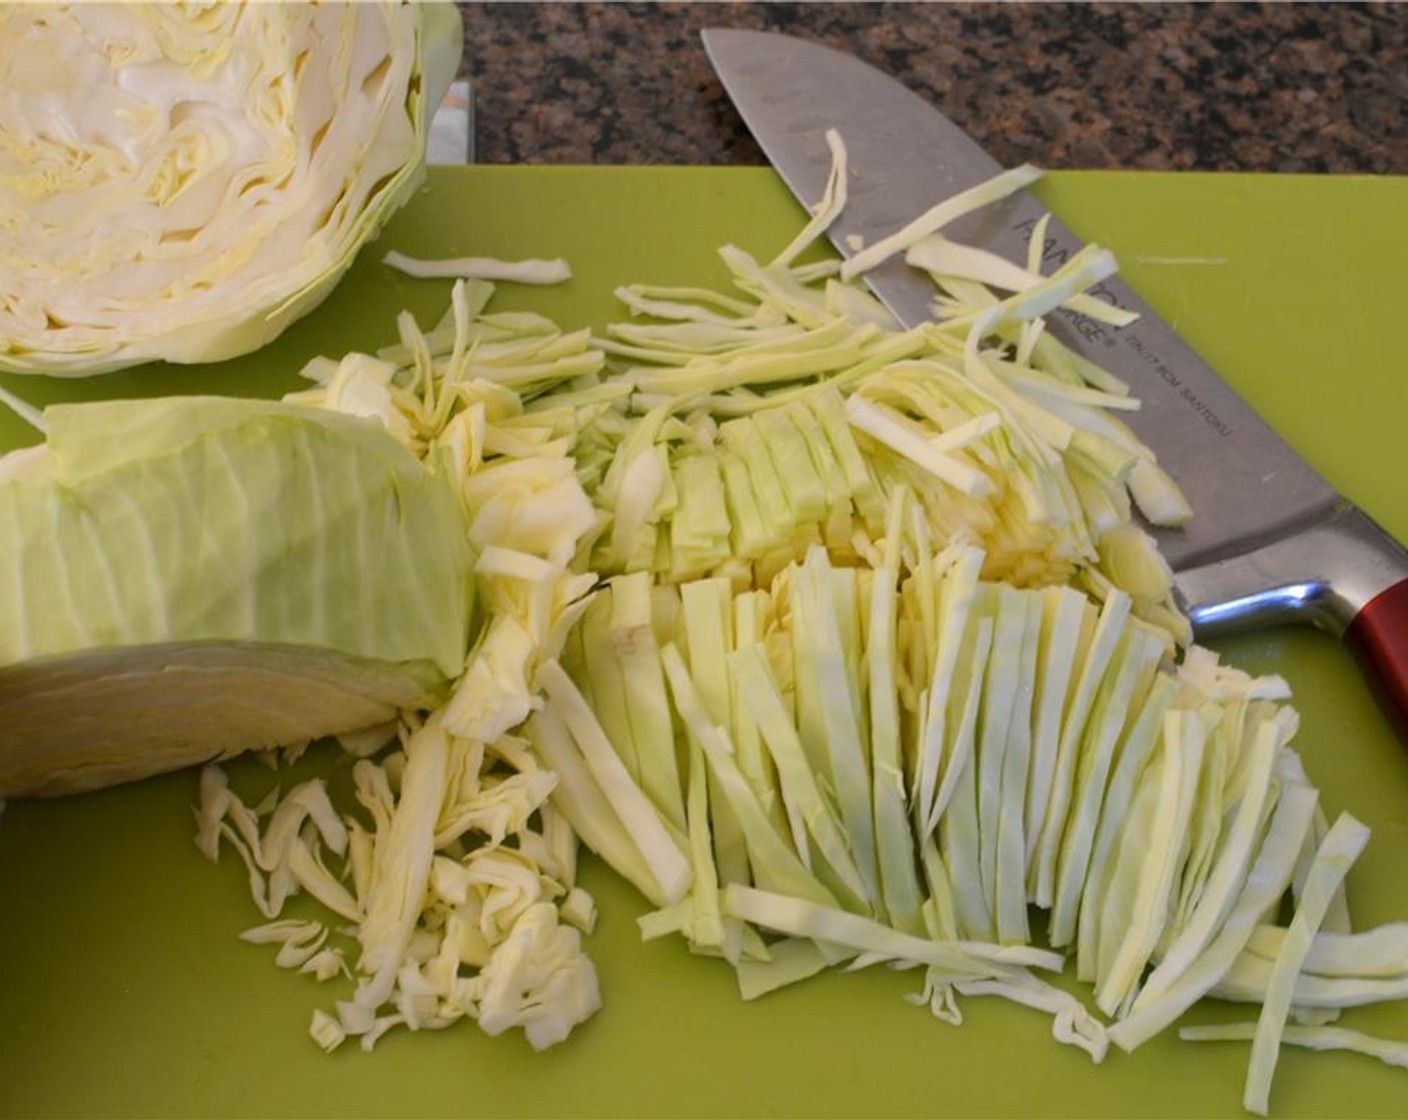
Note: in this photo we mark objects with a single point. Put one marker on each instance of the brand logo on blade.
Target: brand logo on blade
(1096, 332)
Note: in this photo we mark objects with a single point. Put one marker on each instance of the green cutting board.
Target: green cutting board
(125, 992)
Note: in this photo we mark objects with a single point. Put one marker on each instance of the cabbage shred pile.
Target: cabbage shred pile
(842, 644)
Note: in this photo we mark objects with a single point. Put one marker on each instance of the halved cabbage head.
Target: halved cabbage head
(182, 182)
(186, 578)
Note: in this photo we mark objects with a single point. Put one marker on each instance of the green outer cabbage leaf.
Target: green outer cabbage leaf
(248, 545)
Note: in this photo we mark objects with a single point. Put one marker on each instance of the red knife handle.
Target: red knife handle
(1378, 636)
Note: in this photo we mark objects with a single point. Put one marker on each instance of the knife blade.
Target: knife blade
(1270, 539)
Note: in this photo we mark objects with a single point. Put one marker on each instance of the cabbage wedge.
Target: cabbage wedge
(190, 577)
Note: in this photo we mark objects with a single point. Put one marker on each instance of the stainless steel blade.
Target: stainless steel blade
(1246, 485)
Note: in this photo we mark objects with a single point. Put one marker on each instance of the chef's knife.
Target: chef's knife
(1270, 540)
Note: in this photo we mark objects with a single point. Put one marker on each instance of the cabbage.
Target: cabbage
(760, 427)
(1389, 1051)
(191, 577)
(1341, 847)
(457, 878)
(182, 182)
(831, 705)
(887, 822)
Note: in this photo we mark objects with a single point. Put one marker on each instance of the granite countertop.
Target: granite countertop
(1281, 87)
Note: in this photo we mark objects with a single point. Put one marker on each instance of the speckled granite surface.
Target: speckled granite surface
(1237, 87)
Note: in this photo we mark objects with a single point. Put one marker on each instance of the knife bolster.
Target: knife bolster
(1324, 575)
